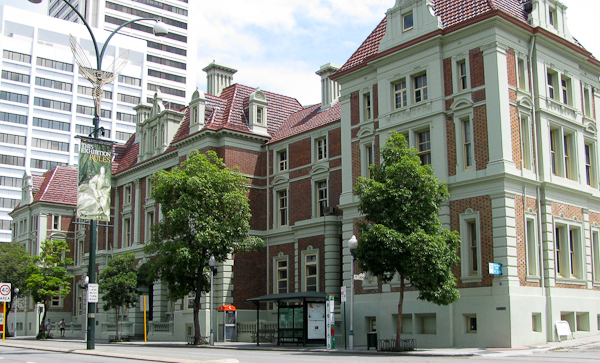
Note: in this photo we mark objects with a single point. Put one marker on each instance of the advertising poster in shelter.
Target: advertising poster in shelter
(316, 321)
(93, 191)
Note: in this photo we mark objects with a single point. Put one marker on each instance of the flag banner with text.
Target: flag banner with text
(93, 191)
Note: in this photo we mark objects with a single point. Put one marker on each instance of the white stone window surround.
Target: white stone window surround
(126, 231)
(365, 144)
(408, 21)
(522, 69)
(303, 254)
(593, 162)
(588, 101)
(316, 157)
(276, 268)
(420, 94)
(277, 206)
(595, 244)
(366, 95)
(466, 218)
(569, 257)
(149, 222)
(460, 115)
(456, 81)
(404, 93)
(531, 247)
(278, 161)
(566, 162)
(526, 135)
(127, 194)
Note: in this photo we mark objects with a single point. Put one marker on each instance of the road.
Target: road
(589, 353)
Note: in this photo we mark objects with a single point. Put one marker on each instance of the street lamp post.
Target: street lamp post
(211, 265)
(352, 244)
(16, 303)
(160, 29)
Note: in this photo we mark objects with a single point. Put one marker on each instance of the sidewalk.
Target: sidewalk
(187, 353)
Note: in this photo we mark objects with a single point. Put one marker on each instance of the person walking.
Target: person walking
(61, 325)
(48, 327)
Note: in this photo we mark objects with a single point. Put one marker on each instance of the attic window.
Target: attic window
(552, 17)
(407, 21)
(259, 115)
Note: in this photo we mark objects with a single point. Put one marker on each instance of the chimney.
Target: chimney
(218, 77)
(330, 90)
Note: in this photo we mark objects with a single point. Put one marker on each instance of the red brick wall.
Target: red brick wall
(568, 211)
(375, 101)
(249, 272)
(300, 200)
(335, 142)
(476, 68)
(258, 207)
(448, 89)
(451, 142)
(300, 153)
(511, 67)
(354, 109)
(356, 167)
(249, 162)
(480, 134)
(515, 133)
(483, 205)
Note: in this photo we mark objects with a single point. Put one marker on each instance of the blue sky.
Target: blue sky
(278, 45)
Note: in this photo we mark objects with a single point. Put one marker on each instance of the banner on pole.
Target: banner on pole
(93, 191)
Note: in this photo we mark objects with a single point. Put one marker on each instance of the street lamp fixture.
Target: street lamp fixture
(16, 303)
(160, 29)
(352, 244)
(211, 265)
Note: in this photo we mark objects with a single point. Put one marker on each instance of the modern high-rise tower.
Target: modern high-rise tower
(45, 103)
(168, 68)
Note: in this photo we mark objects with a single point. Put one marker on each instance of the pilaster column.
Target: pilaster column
(505, 238)
(498, 109)
(137, 223)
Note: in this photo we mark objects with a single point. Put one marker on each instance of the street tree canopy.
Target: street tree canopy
(48, 277)
(205, 213)
(15, 263)
(118, 283)
(401, 234)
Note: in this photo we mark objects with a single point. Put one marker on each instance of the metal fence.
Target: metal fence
(389, 345)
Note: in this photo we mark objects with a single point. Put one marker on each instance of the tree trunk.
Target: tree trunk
(43, 322)
(400, 303)
(117, 324)
(197, 332)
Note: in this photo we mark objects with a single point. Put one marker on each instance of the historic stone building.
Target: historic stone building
(497, 97)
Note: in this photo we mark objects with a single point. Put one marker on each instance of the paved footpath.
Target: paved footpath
(186, 353)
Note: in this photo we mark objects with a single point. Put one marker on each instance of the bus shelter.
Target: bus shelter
(300, 317)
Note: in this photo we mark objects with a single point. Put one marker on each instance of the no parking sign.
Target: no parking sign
(5, 290)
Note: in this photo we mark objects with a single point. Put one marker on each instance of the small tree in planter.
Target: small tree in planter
(118, 282)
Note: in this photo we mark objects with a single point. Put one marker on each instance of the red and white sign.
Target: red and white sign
(5, 290)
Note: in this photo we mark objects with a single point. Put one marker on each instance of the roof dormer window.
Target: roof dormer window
(259, 116)
(407, 21)
(552, 17)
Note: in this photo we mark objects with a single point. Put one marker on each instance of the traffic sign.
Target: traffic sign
(92, 293)
(495, 268)
(343, 293)
(360, 276)
(5, 289)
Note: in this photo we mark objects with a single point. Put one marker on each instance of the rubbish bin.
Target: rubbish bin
(372, 340)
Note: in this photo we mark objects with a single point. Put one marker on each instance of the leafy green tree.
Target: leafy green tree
(118, 283)
(401, 233)
(206, 213)
(48, 275)
(15, 263)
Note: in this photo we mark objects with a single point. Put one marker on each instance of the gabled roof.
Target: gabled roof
(307, 119)
(59, 186)
(451, 12)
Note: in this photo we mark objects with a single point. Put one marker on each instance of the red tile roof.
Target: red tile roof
(451, 12)
(59, 186)
(310, 118)
(228, 112)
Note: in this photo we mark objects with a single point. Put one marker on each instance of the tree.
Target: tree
(206, 213)
(15, 263)
(48, 275)
(118, 283)
(401, 233)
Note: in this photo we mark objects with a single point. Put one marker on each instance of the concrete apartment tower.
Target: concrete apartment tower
(45, 103)
(168, 68)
